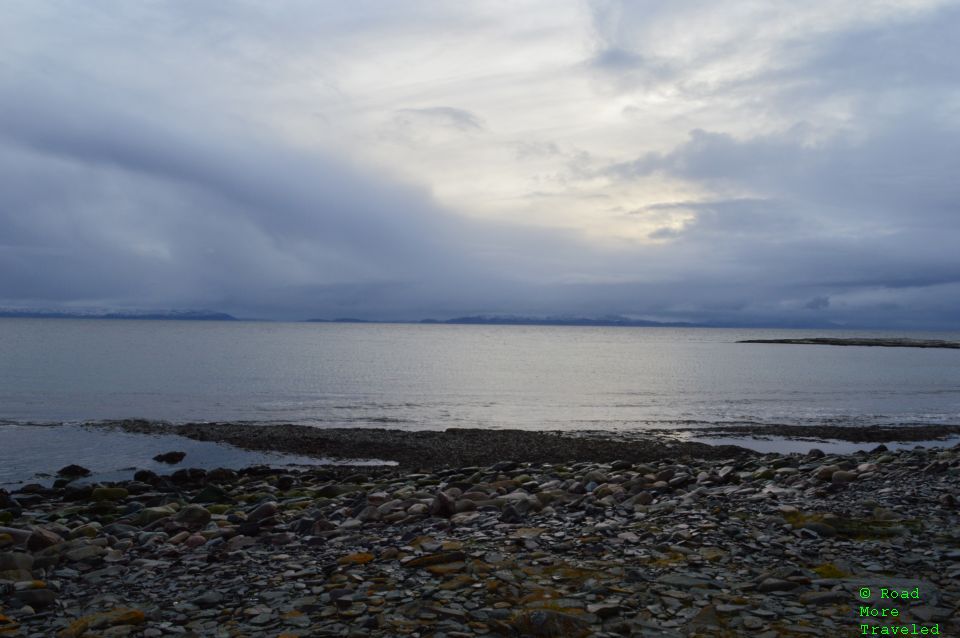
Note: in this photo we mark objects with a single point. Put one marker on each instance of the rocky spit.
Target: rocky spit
(749, 545)
(873, 342)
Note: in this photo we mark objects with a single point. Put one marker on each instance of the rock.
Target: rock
(239, 542)
(7, 502)
(511, 514)
(262, 512)
(841, 477)
(77, 492)
(73, 471)
(817, 598)
(776, 584)
(443, 505)
(825, 472)
(19, 536)
(680, 580)
(87, 530)
(208, 599)
(152, 514)
(146, 476)
(550, 624)
(37, 598)
(822, 529)
(109, 494)
(643, 498)
(86, 554)
(15, 560)
(185, 476)
(360, 558)
(170, 457)
(41, 538)
(465, 519)
(369, 513)
(113, 618)
(436, 559)
(604, 610)
(211, 494)
(195, 540)
(221, 475)
(193, 516)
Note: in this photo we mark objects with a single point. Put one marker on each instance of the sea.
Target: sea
(64, 372)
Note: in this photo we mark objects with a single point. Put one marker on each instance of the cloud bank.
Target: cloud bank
(738, 163)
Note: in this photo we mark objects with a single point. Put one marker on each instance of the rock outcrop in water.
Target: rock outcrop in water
(884, 343)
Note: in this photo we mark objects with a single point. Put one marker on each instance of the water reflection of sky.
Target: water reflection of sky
(435, 377)
(782, 445)
(33, 453)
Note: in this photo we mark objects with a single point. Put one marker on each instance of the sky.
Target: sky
(746, 162)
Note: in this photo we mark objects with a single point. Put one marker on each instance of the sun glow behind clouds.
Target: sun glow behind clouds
(588, 84)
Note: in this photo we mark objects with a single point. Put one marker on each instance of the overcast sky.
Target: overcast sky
(774, 162)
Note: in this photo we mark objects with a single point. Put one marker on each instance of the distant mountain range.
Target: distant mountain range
(166, 315)
(610, 320)
(488, 320)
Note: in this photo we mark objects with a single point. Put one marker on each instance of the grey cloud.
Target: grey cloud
(918, 53)
(902, 165)
(736, 216)
(526, 150)
(446, 116)
(881, 209)
(114, 206)
(818, 303)
(423, 126)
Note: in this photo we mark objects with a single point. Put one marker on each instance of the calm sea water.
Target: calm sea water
(439, 376)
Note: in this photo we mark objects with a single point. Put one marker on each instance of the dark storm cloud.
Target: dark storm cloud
(102, 204)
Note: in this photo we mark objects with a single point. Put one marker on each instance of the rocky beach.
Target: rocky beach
(662, 540)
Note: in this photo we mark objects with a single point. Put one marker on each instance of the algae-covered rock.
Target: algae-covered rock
(193, 516)
(109, 494)
(150, 514)
(546, 623)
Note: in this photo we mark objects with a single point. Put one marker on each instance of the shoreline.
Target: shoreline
(453, 447)
(749, 544)
(429, 449)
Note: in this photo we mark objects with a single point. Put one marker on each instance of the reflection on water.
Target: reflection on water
(35, 453)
